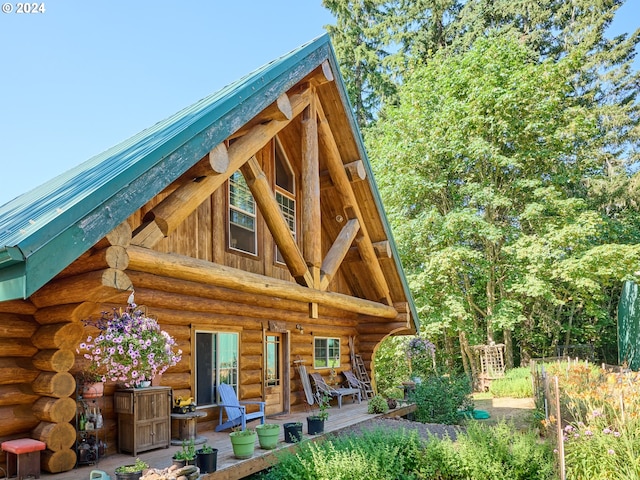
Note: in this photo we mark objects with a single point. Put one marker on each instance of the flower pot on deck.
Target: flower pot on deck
(129, 476)
(207, 462)
(268, 435)
(292, 432)
(243, 443)
(315, 425)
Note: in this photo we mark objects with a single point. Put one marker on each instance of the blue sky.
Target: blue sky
(86, 75)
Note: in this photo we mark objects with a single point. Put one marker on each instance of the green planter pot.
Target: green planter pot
(268, 435)
(243, 443)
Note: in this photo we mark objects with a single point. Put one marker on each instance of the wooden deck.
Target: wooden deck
(228, 466)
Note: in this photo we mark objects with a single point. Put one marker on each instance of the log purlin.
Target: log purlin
(188, 268)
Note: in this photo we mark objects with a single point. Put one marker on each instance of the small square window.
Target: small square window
(326, 352)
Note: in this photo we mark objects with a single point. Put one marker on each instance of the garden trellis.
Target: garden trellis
(490, 364)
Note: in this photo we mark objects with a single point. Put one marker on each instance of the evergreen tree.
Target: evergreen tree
(359, 41)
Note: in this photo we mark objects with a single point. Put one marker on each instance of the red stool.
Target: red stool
(23, 457)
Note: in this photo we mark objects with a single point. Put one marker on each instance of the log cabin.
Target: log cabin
(248, 223)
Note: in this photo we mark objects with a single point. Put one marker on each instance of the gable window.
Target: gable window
(326, 352)
(216, 363)
(285, 189)
(242, 216)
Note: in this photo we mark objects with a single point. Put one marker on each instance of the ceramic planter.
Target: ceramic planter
(315, 425)
(268, 435)
(292, 432)
(244, 443)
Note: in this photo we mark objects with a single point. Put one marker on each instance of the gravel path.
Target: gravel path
(516, 410)
(398, 423)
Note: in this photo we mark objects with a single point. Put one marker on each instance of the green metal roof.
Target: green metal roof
(46, 229)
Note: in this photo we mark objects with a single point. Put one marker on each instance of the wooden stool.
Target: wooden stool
(23, 457)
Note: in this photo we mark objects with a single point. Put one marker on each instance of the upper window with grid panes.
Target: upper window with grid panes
(242, 216)
(285, 191)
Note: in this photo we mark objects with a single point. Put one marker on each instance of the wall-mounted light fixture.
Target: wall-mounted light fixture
(300, 327)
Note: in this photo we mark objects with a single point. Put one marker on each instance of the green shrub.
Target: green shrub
(502, 453)
(517, 383)
(377, 405)
(438, 399)
(482, 453)
(375, 454)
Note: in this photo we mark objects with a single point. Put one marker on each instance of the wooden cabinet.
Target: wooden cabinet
(144, 418)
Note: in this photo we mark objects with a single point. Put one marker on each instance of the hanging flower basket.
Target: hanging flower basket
(130, 347)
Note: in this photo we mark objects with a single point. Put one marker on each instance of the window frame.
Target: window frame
(231, 207)
(327, 357)
(217, 364)
(278, 149)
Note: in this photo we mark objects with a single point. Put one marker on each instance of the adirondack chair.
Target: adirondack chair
(353, 382)
(323, 389)
(236, 413)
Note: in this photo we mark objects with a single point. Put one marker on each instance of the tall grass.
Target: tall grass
(516, 383)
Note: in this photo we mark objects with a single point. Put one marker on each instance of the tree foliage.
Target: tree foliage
(507, 158)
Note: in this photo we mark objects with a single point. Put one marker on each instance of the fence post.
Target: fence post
(559, 429)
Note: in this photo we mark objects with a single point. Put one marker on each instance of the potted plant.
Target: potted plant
(131, 472)
(377, 405)
(90, 383)
(243, 443)
(207, 458)
(292, 432)
(268, 434)
(315, 423)
(185, 456)
(130, 347)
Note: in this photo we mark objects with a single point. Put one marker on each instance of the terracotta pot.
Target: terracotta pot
(93, 390)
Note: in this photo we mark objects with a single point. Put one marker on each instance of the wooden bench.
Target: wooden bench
(23, 457)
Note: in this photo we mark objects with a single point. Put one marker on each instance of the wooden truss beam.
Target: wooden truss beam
(337, 252)
(272, 214)
(311, 234)
(335, 166)
(165, 217)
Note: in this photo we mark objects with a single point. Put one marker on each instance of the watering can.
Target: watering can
(98, 475)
